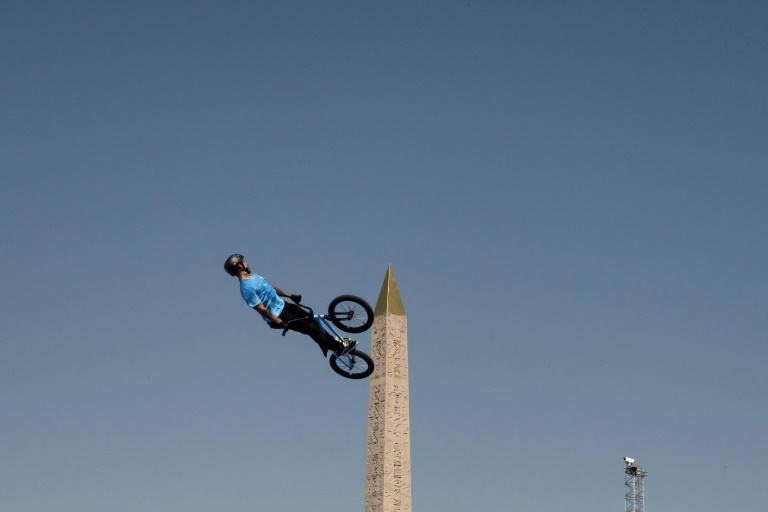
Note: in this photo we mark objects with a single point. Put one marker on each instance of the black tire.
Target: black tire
(355, 365)
(350, 313)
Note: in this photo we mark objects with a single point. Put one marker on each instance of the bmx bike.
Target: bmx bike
(350, 314)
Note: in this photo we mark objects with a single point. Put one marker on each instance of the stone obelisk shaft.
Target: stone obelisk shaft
(388, 464)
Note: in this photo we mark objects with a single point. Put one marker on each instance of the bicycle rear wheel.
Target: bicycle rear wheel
(355, 365)
(350, 313)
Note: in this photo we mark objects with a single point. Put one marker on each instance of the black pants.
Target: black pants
(304, 324)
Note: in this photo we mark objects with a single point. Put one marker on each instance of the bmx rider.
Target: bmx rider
(278, 314)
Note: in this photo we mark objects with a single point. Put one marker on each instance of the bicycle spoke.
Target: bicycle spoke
(351, 364)
(351, 314)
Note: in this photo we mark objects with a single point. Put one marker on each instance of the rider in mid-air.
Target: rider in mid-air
(278, 314)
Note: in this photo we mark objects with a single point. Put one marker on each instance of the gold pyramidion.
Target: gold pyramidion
(389, 297)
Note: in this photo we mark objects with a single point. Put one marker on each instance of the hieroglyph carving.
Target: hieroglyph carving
(388, 464)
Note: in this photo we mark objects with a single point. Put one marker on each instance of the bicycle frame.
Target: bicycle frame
(354, 364)
(321, 320)
(324, 324)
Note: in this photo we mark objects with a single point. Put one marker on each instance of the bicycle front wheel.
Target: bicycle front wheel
(355, 365)
(350, 313)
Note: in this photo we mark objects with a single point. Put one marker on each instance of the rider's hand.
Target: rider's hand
(296, 298)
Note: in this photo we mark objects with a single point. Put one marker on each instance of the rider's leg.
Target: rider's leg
(305, 324)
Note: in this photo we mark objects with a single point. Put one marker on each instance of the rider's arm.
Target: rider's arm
(263, 311)
(281, 293)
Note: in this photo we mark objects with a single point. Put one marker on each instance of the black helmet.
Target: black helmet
(231, 264)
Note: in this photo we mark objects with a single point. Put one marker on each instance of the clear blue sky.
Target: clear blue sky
(572, 196)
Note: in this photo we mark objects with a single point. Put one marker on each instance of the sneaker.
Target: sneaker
(338, 343)
(347, 346)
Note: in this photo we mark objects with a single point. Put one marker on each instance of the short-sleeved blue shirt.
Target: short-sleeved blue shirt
(257, 290)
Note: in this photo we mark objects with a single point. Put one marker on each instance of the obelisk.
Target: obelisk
(388, 463)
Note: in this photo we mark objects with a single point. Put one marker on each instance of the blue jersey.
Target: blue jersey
(257, 290)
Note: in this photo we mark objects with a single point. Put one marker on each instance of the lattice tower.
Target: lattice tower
(634, 485)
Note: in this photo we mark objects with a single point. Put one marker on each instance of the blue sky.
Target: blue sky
(571, 195)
